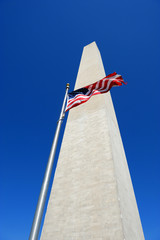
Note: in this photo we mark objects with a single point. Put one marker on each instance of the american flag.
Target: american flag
(82, 95)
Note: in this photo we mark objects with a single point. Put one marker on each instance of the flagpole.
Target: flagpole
(44, 188)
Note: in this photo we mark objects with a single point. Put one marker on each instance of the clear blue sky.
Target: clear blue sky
(40, 49)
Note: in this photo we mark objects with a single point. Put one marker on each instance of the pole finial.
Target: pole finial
(67, 86)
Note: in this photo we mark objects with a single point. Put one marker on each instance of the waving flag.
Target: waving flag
(82, 95)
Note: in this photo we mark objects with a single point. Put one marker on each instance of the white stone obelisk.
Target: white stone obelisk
(92, 197)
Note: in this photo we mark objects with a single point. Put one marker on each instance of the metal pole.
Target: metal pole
(44, 189)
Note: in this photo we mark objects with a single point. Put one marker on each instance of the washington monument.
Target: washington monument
(92, 196)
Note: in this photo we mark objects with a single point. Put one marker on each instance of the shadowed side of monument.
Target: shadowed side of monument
(92, 195)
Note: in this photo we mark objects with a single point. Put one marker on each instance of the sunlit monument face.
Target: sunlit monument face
(92, 195)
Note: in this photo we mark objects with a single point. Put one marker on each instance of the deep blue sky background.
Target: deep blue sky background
(41, 44)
